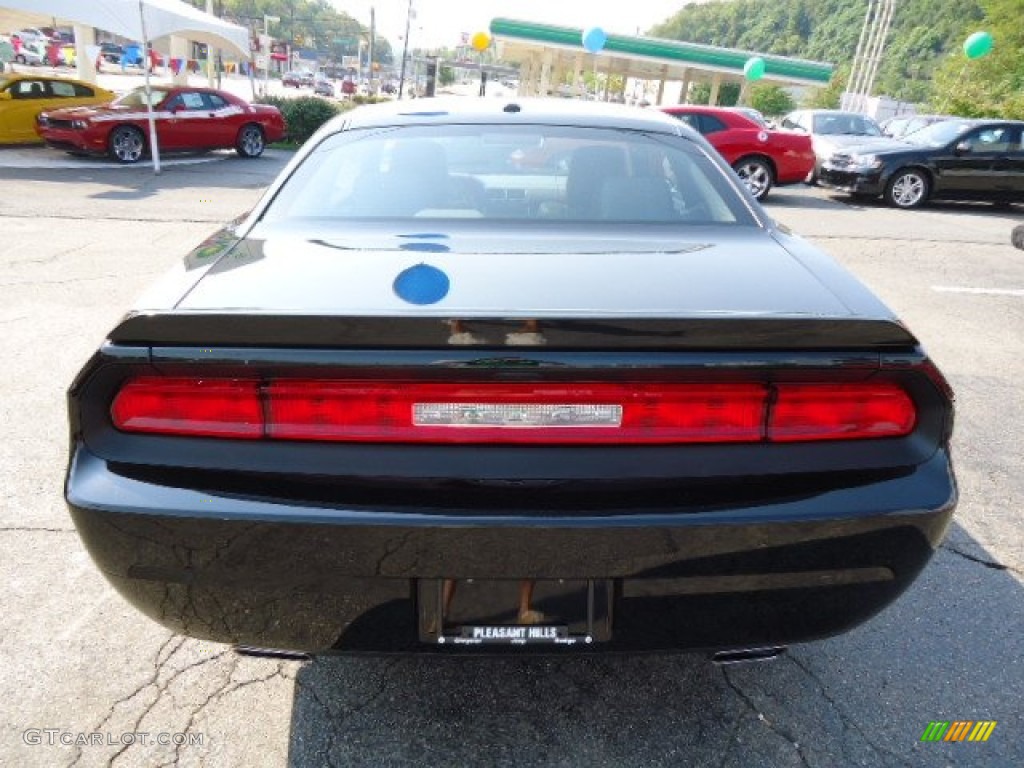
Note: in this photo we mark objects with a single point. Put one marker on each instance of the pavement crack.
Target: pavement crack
(847, 721)
(994, 565)
(775, 728)
(161, 689)
(730, 742)
(221, 692)
(157, 663)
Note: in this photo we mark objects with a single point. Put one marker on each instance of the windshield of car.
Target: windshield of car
(846, 125)
(137, 98)
(938, 134)
(531, 173)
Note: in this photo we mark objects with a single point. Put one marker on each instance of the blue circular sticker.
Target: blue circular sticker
(422, 284)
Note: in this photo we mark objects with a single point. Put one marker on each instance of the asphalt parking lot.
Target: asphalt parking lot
(86, 680)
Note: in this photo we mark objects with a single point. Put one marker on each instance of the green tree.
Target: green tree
(728, 94)
(830, 96)
(923, 34)
(994, 84)
(313, 24)
(771, 100)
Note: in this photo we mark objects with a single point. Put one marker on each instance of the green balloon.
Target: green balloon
(754, 68)
(977, 45)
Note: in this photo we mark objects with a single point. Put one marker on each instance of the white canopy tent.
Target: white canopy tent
(142, 20)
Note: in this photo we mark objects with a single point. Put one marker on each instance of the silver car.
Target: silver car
(832, 129)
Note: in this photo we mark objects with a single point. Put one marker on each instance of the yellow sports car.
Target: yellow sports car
(22, 97)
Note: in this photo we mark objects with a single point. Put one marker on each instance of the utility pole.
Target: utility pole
(405, 49)
(369, 62)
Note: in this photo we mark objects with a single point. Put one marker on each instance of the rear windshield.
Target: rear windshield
(525, 173)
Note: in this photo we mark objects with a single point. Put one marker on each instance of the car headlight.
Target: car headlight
(865, 162)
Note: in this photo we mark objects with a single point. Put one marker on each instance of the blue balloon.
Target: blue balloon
(422, 284)
(594, 39)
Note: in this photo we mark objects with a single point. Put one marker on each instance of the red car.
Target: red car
(762, 157)
(187, 119)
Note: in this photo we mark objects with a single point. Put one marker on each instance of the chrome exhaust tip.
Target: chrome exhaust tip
(271, 653)
(747, 655)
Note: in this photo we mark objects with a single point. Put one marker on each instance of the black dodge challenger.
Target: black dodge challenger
(527, 375)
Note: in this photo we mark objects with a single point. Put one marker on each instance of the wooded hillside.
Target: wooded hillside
(922, 35)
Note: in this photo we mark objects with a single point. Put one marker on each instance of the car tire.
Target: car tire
(251, 141)
(19, 59)
(907, 188)
(127, 144)
(756, 174)
(1017, 237)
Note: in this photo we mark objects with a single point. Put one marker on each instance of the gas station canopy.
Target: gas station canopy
(546, 53)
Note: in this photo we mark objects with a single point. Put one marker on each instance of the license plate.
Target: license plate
(527, 612)
(514, 634)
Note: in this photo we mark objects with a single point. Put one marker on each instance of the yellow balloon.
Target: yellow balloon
(481, 41)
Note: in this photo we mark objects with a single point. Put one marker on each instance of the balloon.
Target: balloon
(594, 39)
(754, 68)
(481, 41)
(977, 45)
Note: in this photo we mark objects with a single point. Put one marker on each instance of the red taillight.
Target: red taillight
(840, 412)
(513, 412)
(202, 407)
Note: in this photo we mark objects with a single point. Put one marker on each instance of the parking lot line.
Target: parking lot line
(979, 291)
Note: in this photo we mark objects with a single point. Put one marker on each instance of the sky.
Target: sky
(439, 23)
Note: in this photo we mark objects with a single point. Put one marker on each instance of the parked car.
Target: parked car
(959, 159)
(831, 129)
(323, 87)
(24, 96)
(414, 402)
(187, 119)
(34, 35)
(763, 158)
(31, 52)
(111, 52)
(300, 78)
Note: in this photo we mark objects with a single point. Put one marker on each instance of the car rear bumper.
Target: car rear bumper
(265, 573)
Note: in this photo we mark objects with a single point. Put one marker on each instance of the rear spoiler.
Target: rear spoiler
(575, 333)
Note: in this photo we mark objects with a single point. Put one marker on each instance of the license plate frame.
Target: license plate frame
(486, 612)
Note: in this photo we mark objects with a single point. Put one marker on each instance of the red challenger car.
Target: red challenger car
(762, 157)
(187, 119)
